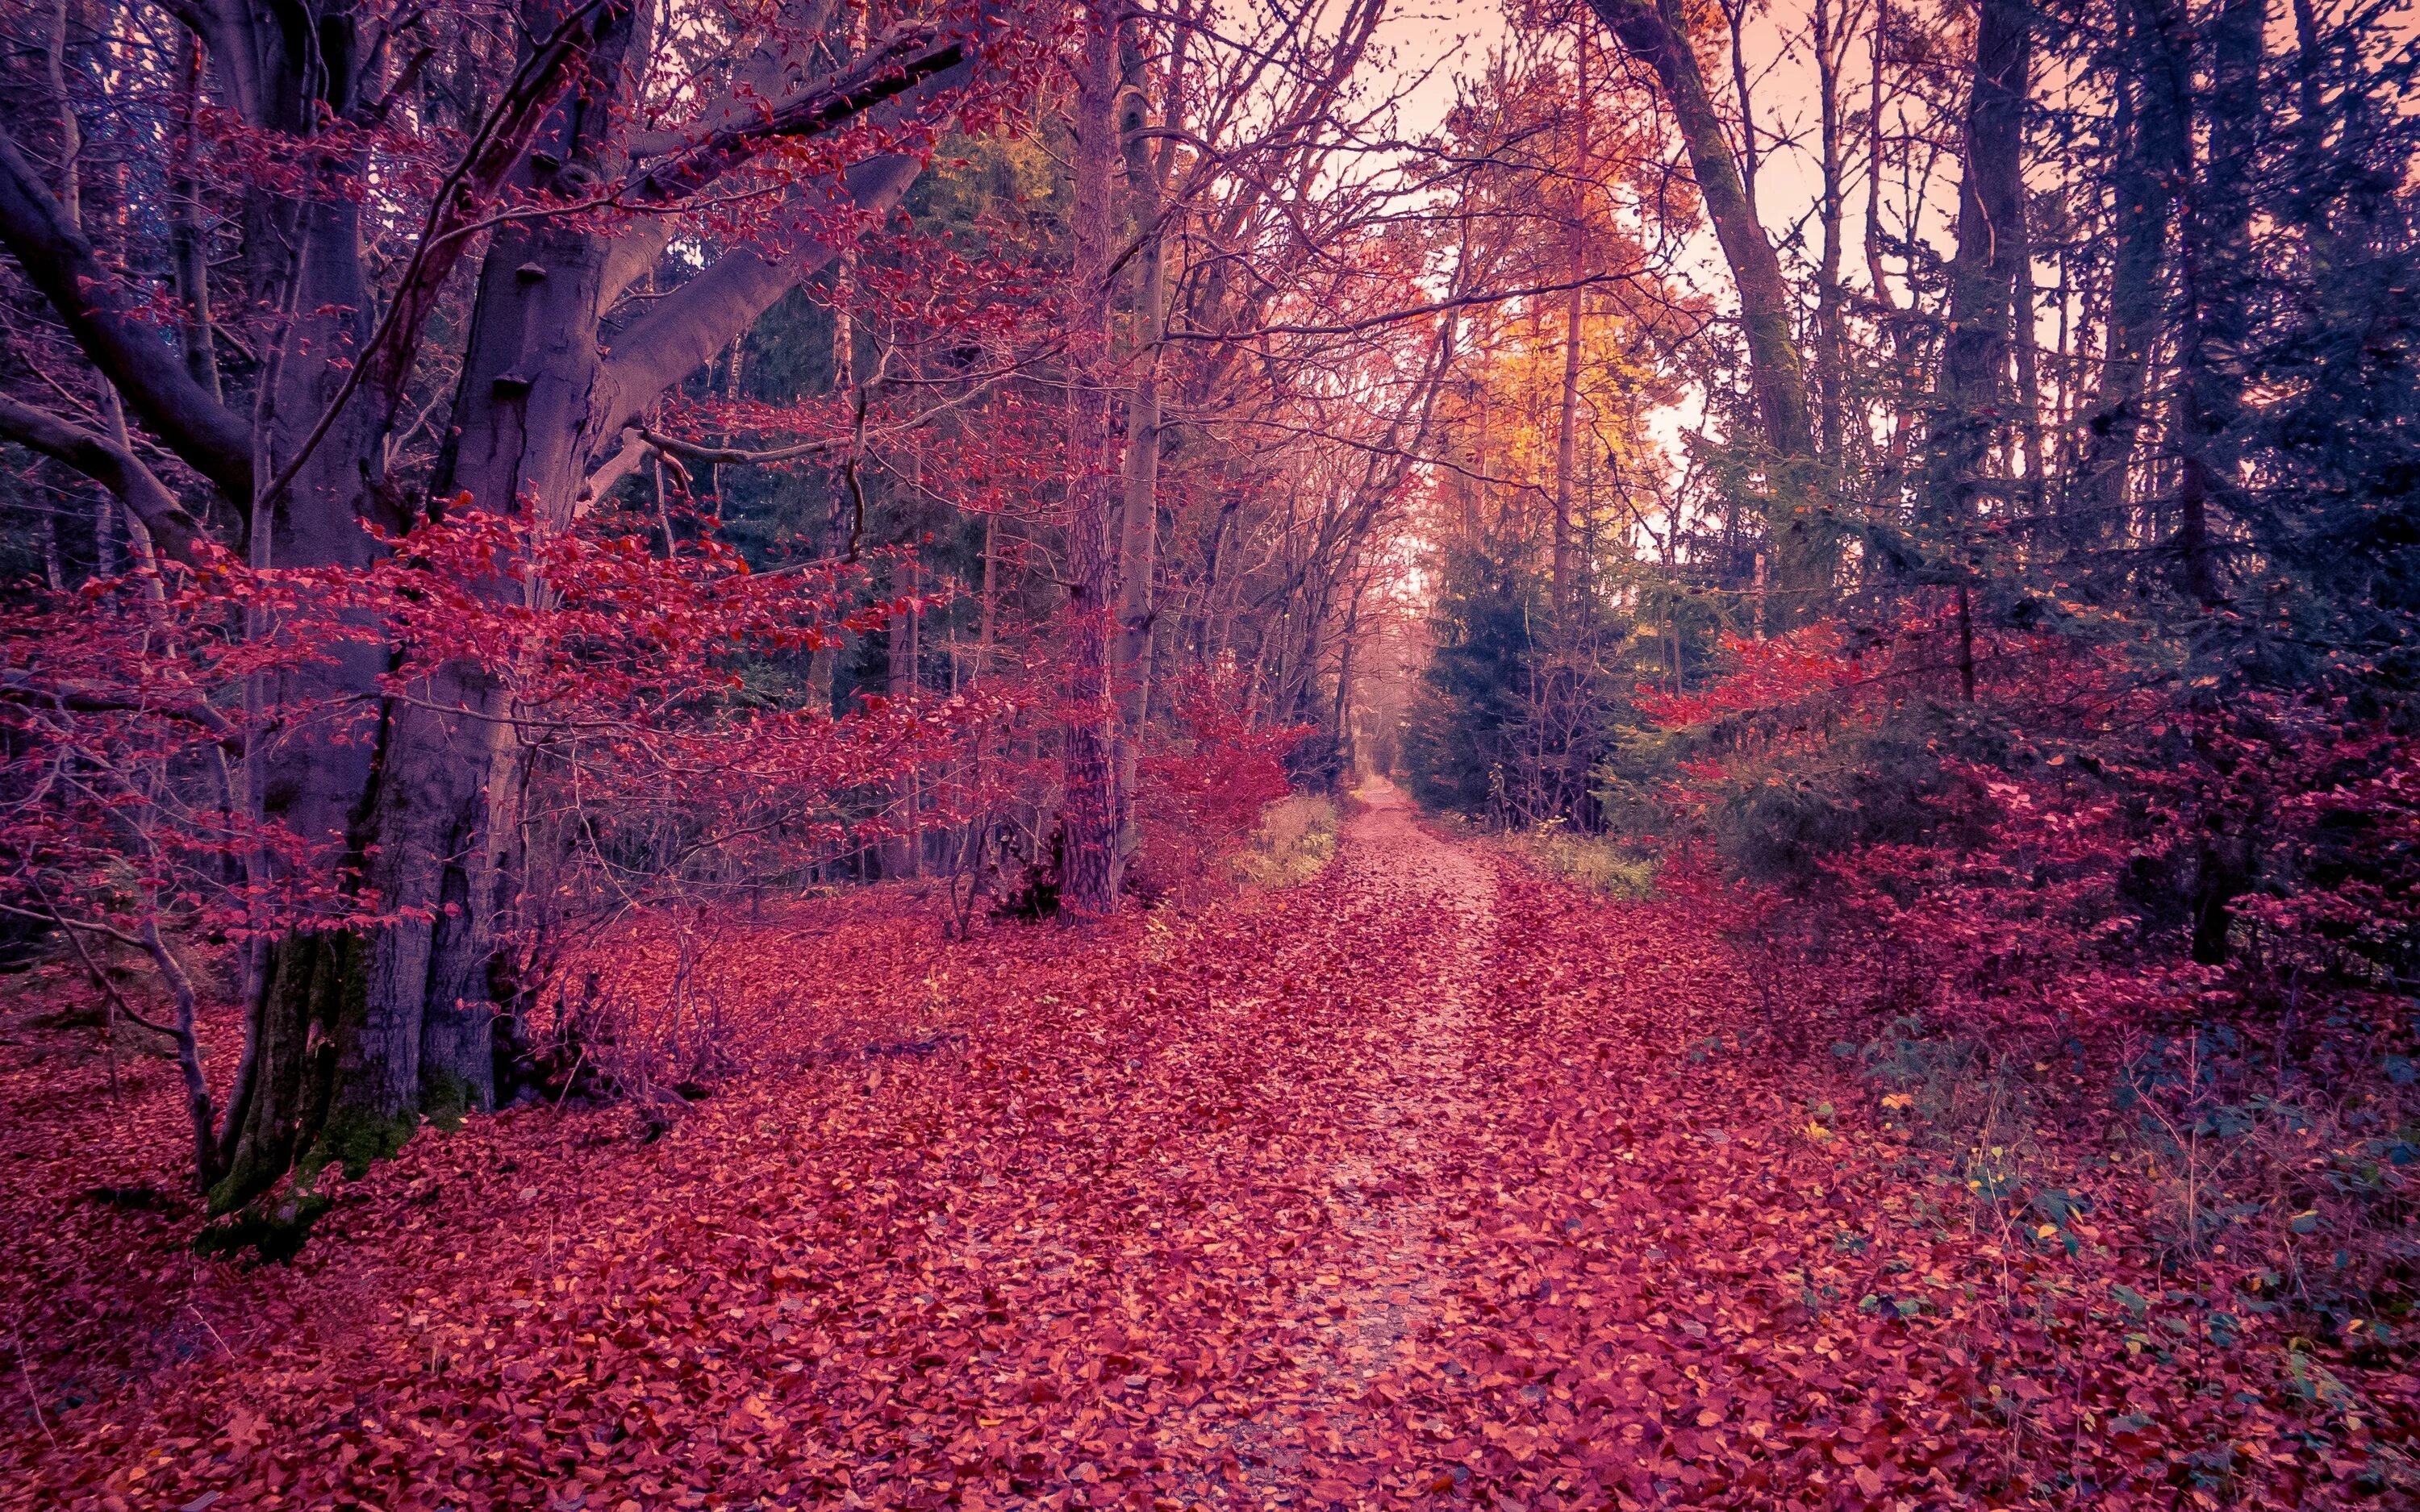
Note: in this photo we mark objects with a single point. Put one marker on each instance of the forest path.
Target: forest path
(1379, 1191)
(1427, 909)
(1428, 1186)
(1423, 1056)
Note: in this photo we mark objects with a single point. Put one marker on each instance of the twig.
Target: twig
(573, 1075)
(214, 1333)
(32, 1396)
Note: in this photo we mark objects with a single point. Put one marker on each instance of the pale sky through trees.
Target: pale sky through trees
(1436, 45)
(1424, 34)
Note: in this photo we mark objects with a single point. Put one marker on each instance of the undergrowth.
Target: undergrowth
(2252, 1189)
(1601, 863)
(1294, 840)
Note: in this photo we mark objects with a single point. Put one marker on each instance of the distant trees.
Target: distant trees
(2104, 247)
(1546, 464)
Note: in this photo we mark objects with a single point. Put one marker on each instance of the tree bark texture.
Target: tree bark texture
(1983, 271)
(1138, 521)
(1806, 542)
(1088, 732)
(2150, 124)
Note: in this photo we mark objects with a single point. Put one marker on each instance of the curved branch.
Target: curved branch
(699, 318)
(59, 261)
(74, 699)
(892, 66)
(733, 457)
(115, 467)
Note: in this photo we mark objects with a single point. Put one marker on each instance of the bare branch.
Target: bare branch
(210, 438)
(896, 63)
(113, 467)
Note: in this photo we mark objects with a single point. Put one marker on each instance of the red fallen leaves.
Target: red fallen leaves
(1428, 1182)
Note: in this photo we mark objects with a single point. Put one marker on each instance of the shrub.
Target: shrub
(1295, 839)
(1602, 863)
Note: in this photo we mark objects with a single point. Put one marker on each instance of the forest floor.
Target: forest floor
(1429, 1181)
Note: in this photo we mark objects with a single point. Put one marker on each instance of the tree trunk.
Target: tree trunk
(1875, 273)
(356, 1037)
(1088, 732)
(1830, 39)
(1807, 544)
(1983, 271)
(840, 509)
(1563, 568)
(350, 1036)
(2149, 124)
(1575, 308)
(901, 852)
(414, 1034)
(188, 244)
(2215, 264)
(1139, 542)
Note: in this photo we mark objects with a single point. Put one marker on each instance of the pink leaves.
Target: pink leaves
(1199, 1209)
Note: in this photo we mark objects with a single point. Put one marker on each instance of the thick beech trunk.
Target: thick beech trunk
(354, 1039)
(402, 1018)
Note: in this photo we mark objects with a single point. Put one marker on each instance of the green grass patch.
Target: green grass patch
(1601, 863)
(1294, 840)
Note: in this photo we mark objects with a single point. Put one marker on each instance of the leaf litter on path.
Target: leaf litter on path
(1392, 1189)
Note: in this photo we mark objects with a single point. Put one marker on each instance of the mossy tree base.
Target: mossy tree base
(273, 1225)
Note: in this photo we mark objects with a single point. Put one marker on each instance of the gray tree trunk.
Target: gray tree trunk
(1983, 271)
(1805, 541)
(1088, 733)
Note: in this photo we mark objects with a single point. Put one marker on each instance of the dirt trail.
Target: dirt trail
(1427, 1185)
(1427, 1103)
(1383, 1191)
(1379, 1285)
(1161, 1218)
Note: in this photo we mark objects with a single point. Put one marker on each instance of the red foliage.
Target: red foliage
(1762, 676)
(2052, 887)
(143, 721)
(1428, 1183)
(620, 671)
(1222, 767)
(1203, 781)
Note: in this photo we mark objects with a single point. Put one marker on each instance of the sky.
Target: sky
(1421, 33)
